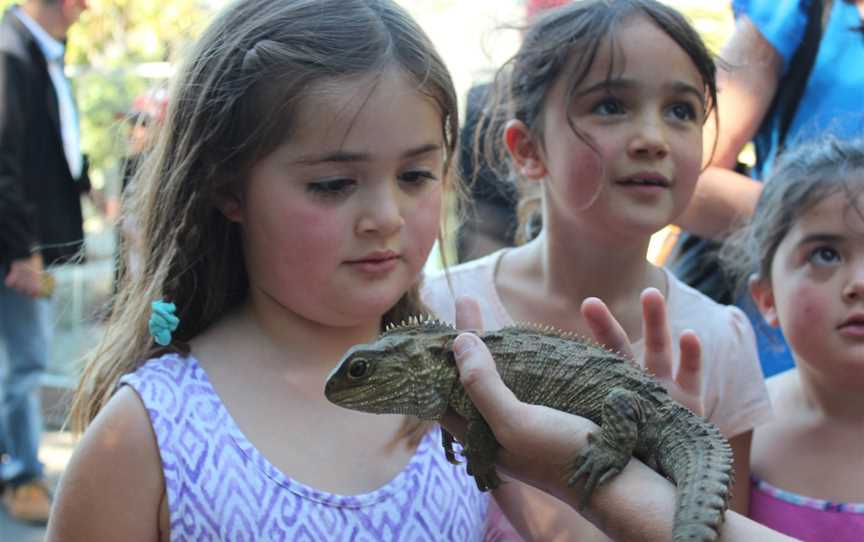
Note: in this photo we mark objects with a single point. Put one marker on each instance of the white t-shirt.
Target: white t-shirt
(733, 388)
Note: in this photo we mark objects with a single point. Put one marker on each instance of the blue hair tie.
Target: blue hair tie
(162, 321)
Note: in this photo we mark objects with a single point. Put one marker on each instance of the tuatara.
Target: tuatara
(410, 370)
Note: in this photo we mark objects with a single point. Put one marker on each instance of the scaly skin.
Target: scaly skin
(410, 370)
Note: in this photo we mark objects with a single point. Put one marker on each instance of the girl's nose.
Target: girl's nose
(381, 213)
(854, 289)
(649, 141)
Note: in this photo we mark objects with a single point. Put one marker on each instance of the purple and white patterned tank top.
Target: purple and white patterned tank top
(220, 488)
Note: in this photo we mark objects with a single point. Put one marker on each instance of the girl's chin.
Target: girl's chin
(373, 308)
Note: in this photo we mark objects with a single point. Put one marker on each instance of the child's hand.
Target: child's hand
(659, 358)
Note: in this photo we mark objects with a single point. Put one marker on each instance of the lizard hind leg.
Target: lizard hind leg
(610, 449)
(480, 451)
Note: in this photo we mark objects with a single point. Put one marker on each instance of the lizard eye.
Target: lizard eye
(358, 368)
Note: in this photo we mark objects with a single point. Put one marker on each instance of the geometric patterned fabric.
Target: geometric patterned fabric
(220, 488)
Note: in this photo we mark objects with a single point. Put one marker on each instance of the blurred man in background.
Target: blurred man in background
(42, 176)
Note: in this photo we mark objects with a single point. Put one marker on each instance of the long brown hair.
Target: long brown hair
(233, 102)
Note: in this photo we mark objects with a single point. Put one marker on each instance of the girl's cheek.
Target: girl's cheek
(428, 218)
(806, 309)
(583, 179)
(422, 220)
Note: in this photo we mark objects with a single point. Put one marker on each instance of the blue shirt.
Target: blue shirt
(833, 98)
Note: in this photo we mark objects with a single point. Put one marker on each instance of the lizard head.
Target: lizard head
(408, 370)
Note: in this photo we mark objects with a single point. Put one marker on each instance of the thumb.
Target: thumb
(480, 378)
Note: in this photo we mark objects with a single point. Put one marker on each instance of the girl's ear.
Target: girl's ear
(763, 295)
(524, 150)
(232, 209)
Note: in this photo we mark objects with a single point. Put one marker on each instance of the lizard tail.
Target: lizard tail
(699, 461)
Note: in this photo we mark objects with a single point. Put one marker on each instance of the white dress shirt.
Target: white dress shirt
(69, 128)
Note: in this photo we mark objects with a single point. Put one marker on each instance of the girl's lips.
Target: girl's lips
(375, 265)
(646, 178)
(647, 184)
(853, 328)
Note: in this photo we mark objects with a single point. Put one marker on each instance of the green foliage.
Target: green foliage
(110, 50)
(115, 42)
(713, 20)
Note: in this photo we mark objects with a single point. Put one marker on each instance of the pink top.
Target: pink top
(807, 519)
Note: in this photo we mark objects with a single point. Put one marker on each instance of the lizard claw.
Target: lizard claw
(447, 441)
(487, 481)
(484, 475)
(598, 463)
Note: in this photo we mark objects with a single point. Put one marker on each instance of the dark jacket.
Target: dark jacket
(40, 203)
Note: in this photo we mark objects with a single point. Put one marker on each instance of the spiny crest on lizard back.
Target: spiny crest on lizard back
(417, 326)
(550, 331)
(556, 333)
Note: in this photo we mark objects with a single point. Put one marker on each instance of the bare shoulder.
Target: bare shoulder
(112, 488)
(772, 438)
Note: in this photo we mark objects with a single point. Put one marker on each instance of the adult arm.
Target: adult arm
(539, 516)
(536, 441)
(113, 487)
(747, 81)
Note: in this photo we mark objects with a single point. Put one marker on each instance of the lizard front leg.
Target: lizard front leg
(610, 449)
(447, 441)
(480, 450)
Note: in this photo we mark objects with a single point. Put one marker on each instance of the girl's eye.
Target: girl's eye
(683, 111)
(609, 106)
(418, 177)
(823, 256)
(334, 187)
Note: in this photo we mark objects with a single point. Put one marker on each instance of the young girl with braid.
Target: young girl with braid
(286, 212)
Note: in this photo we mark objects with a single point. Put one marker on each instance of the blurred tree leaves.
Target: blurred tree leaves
(118, 49)
(713, 20)
(121, 48)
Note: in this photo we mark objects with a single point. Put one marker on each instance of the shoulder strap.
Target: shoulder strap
(791, 85)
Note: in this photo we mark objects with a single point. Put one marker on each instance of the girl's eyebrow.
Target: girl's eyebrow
(821, 237)
(677, 87)
(347, 156)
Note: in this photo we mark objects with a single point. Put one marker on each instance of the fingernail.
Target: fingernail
(463, 344)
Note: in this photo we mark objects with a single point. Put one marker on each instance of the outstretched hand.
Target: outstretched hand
(686, 385)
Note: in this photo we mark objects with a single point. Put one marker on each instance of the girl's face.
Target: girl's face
(641, 107)
(338, 221)
(816, 289)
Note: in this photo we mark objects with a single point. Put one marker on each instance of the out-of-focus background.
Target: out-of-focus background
(122, 50)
